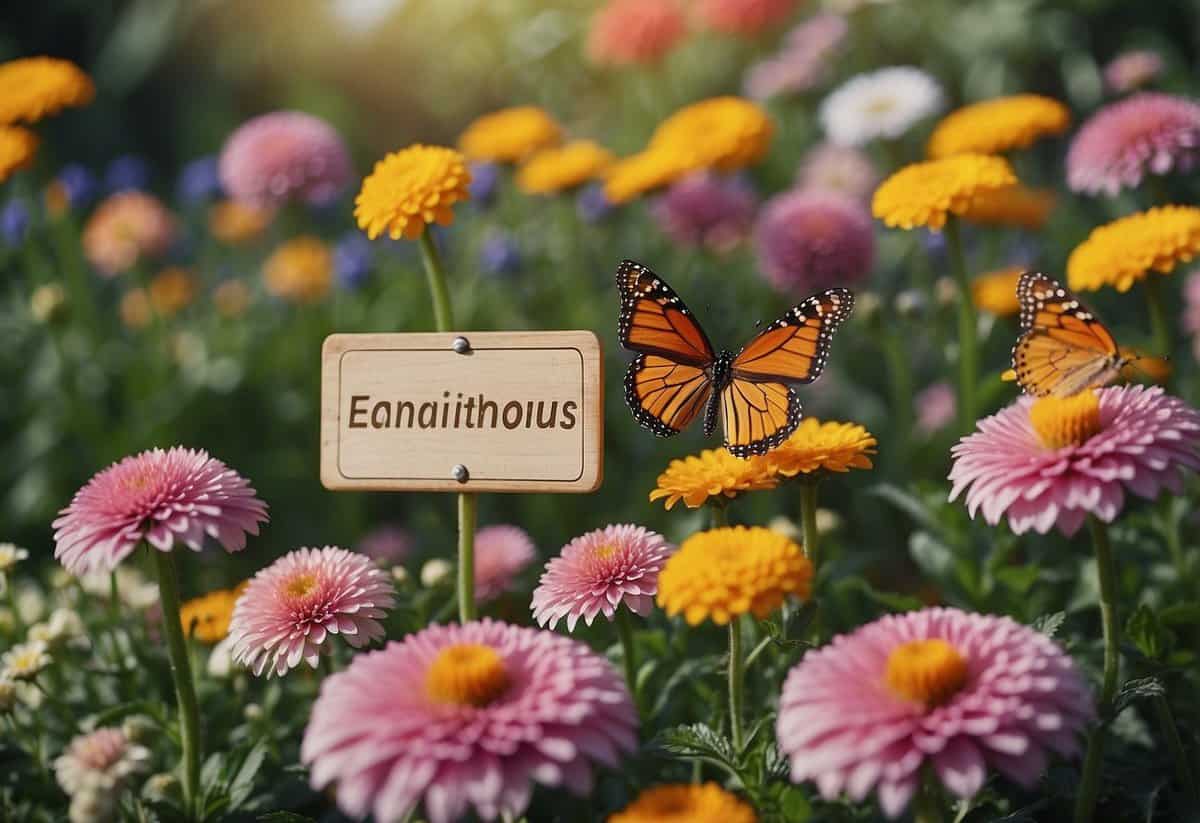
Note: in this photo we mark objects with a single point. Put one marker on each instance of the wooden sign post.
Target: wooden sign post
(469, 412)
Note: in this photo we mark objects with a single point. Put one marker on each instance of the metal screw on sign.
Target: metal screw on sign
(461, 345)
(460, 473)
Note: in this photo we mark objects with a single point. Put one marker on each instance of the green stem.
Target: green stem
(1160, 326)
(18, 624)
(896, 353)
(628, 653)
(442, 314)
(720, 517)
(968, 346)
(1089, 786)
(929, 803)
(737, 677)
(1182, 767)
(185, 694)
(808, 519)
(466, 557)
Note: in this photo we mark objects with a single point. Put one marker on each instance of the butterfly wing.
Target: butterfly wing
(665, 396)
(1063, 349)
(759, 407)
(655, 321)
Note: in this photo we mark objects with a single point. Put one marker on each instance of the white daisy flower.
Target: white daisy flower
(24, 661)
(879, 104)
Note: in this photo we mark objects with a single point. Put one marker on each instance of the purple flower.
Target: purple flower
(591, 204)
(14, 222)
(706, 210)
(200, 182)
(125, 173)
(78, 184)
(485, 179)
(388, 544)
(352, 259)
(499, 254)
(810, 240)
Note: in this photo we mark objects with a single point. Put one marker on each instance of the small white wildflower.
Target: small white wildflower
(434, 572)
(884, 103)
(220, 659)
(10, 555)
(24, 661)
(399, 574)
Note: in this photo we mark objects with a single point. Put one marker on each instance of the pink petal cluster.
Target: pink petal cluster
(596, 572)
(377, 734)
(843, 169)
(290, 608)
(1191, 310)
(842, 726)
(635, 32)
(282, 156)
(707, 210)
(803, 61)
(1132, 70)
(501, 553)
(1145, 438)
(162, 497)
(128, 228)
(936, 407)
(810, 240)
(388, 544)
(744, 17)
(1148, 133)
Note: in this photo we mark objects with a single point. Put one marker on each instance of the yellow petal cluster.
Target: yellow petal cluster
(722, 133)
(300, 270)
(723, 573)
(995, 292)
(565, 167)
(34, 87)
(998, 125)
(641, 173)
(509, 135)
(17, 148)
(411, 189)
(712, 473)
(1016, 206)
(207, 617)
(172, 290)
(1120, 253)
(236, 222)
(828, 446)
(685, 803)
(925, 194)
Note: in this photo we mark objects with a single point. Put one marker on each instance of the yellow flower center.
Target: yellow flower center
(1065, 421)
(466, 674)
(300, 585)
(927, 671)
(604, 552)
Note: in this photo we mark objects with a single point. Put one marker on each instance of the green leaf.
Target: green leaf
(1142, 688)
(794, 805)
(284, 817)
(1018, 578)
(697, 740)
(1049, 624)
(889, 600)
(907, 503)
(931, 555)
(1180, 614)
(243, 781)
(1147, 633)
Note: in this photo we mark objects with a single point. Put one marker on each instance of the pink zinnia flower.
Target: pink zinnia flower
(282, 156)
(629, 32)
(388, 544)
(936, 406)
(745, 17)
(501, 553)
(810, 240)
(961, 692)
(706, 210)
(1052, 462)
(1132, 70)
(802, 63)
(128, 228)
(1149, 133)
(843, 169)
(289, 608)
(596, 572)
(161, 497)
(456, 717)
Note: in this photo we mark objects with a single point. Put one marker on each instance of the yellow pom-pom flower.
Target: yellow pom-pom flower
(510, 135)
(207, 617)
(33, 87)
(995, 292)
(714, 473)
(727, 572)
(685, 803)
(565, 167)
(631, 177)
(722, 133)
(999, 125)
(1125, 251)
(1016, 206)
(925, 194)
(17, 149)
(300, 270)
(236, 222)
(817, 446)
(411, 189)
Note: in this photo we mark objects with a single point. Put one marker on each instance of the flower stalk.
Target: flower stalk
(808, 519)
(1160, 326)
(737, 680)
(968, 345)
(628, 653)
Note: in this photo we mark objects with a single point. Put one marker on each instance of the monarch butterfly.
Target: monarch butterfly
(677, 374)
(1063, 349)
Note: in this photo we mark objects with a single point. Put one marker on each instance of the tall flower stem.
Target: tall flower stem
(625, 634)
(467, 503)
(968, 346)
(181, 673)
(1089, 786)
(927, 808)
(737, 679)
(808, 518)
(720, 517)
(1183, 768)
(1160, 326)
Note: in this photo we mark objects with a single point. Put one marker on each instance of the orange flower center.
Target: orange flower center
(927, 671)
(1065, 421)
(300, 585)
(466, 674)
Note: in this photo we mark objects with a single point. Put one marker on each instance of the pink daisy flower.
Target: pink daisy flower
(161, 497)
(936, 407)
(389, 544)
(501, 553)
(1053, 461)
(744, 17)
(706, 210)
(128, 228)
(456, 717)
(282, 156)
(1132, 70)
(810, 240)
(844, 169)
(802, 63)
(961, 692)
(96, 768)
(290, 608)
(1148, 133)
(597, 572)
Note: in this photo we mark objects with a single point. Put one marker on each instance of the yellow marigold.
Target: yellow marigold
(712, 473)
(724, 573)
(33, 87)
(999, 125)
(995, 292)
(301, 270)
(1018, 206)
(723, 133)
(1120, 253)
(510, 135)
(410, 189)
(17, 148)
(633, 176)
(172, 290)
(924, 194)
(206, 618)
(134, 309)
(685, 803)
(829, 446)
(236, 222)
(553, 170)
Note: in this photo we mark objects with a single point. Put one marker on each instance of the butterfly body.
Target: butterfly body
(677, 375)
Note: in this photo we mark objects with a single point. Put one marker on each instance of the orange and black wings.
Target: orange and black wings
(655, 321)
(758, 416)
(665, 396)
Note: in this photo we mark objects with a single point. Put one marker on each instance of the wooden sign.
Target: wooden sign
(470, 411)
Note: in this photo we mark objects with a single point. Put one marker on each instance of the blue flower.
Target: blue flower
(499, 254)
(591, 204)
(352, 259)
(199, 181)
(78, 184)
(14, 222)
(485, 178)
(126, 172)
